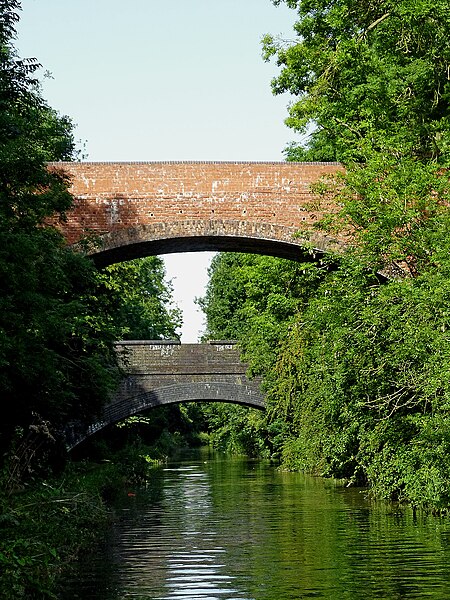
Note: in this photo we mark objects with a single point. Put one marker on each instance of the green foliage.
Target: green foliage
(407, 459)
(59, 318)
(58, 322)
(31, 133)
(357, 380)
(356, 384)
(363, 381)
(56, 334)
(145, 310)
(45, 528)
(235, 429)
(371, 89)
(254, 299)
(54, 325)
(367, 77)
(398, 209)
(355, 367)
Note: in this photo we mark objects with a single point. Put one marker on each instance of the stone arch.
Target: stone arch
(200, 391)
(197, 235)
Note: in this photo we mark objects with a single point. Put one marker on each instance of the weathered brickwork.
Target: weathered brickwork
(154, 365)
(161, 372)
(153, 208)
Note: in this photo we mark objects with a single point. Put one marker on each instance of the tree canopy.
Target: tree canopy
(367, 76)
(357, 379)
(146, 308)
(59, 317)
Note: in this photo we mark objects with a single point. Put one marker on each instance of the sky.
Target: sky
(153, 80)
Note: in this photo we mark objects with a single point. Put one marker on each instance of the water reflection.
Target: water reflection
(234, 529)
(194, 567)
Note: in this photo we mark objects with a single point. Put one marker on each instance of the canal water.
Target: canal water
(217, 528)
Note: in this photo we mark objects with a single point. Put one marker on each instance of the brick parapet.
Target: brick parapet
(162, 359)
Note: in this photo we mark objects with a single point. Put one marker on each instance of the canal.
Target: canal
(213, 527)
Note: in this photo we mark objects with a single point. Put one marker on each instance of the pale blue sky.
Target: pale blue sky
(152, 80)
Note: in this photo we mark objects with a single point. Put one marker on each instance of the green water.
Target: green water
(212, 527)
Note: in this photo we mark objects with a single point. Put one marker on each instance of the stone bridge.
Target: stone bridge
(131, 210)
(168, 372)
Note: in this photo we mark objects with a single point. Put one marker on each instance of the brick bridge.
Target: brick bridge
(138, 209)
(167, 372)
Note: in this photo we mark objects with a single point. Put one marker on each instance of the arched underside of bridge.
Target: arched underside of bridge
(210, 235)
(139, 403)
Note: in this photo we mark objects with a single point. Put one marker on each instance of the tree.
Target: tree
(145, 299)
(371, 83)
(254, 300)
(59, 317)
(356, 377)
(57, 357)
(368, 76)
(31, 133)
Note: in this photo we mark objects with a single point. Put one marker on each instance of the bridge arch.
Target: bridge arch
(197, 235)
(129, 210)
(212, 391)
(163, 372)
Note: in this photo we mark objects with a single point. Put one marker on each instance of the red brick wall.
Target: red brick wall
(111, 198)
